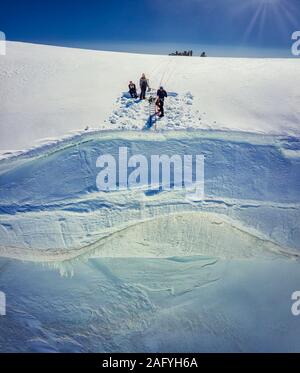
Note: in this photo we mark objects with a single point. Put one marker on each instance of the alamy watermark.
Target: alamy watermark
(296, 304)
(2, 304)
(159, 172)
(2, 44)
(296, 44)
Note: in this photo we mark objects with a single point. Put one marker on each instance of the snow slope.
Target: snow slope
(150, 270)
(46, 92)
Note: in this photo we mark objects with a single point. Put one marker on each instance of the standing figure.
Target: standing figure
(132, 89)
(161, 95)
(144, 84)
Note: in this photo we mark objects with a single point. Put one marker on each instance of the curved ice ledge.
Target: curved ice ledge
(172, 235)
(50, 206)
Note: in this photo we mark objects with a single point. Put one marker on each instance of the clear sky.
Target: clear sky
(222, 27)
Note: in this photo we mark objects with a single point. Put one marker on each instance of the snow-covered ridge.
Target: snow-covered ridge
(188, 234)
(46, 92)
(50, 206)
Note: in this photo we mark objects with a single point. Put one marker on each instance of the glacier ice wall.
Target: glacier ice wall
(50, 205)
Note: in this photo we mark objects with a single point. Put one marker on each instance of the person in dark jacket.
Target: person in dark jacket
(144, 84)
(161, 93)
(132, 90)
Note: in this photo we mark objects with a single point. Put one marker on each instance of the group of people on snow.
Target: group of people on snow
(144, 86)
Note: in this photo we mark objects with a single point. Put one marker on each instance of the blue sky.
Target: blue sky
(222, 27)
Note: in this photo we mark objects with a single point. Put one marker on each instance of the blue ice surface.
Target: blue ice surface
(152, 192)
(151, 305)
(233, 169)
(172, 94)
(127, 95)
(150, 122)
